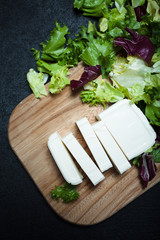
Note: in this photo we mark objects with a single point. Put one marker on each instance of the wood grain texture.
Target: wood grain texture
(30, 125)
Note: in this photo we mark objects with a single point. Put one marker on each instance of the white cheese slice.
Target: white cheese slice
(94, 145)
(83, 159)
(64, 160)
(129, 127)
(115, 153)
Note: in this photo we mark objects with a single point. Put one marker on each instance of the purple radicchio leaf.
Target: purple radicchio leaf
(147, 168)
(90, 73)
(140, 45)
(140, 11)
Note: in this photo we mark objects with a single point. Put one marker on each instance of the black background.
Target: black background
(24, 214)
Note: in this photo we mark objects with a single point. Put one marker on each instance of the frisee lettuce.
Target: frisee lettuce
(100, 91)
(66, 192)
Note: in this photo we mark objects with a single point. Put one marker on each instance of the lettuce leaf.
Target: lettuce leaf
(156, 152)
(59, 80)
(152, 112)
(36, 83)
(156, 57)
(91, 8)
(54, 46)
(145, 162)
(139, 45)
(120, 5)
(137, 3)
(129, 71)
(49, 68)
(137, 94)
(90, 73)
(66, 192)
(100, 91)
(72, 53)
(147, 168)
(103, 24)
(153, 9)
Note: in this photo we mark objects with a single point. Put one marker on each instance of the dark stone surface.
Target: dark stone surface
(24, 214)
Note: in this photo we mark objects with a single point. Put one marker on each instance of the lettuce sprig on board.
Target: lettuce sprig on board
(66, 193)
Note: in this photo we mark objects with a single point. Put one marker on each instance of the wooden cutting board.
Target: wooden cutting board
(30, 125)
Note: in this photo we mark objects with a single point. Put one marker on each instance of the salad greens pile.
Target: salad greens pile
(124, 43)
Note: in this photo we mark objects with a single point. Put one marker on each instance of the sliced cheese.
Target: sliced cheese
(83, 159)
(129, 127)
(115, 153)
(94, 145)
(64, 160)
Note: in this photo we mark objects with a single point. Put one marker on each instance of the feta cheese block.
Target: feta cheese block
(129, 127)
(116, 155)
(64, 160)
(83, 159)
(94, 145)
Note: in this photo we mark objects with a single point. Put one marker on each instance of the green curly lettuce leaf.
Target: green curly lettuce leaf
(49, 68)
(66, 192)
(152, 112)
(36, 83)
(93, 8)
(54, 46)
(100, 91)
(59, 80)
